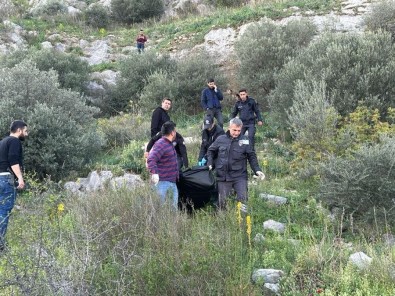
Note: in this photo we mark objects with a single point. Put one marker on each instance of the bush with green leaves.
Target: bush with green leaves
(63, 134)
(362, 184)
(381, 17)
(264, 48)
(97, 16)
(136, 11)
(134, 72)
(226, 3)
(354, 67)
(50, 8)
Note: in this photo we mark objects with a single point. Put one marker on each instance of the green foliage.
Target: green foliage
(226, 3)
(362, 184)
(120, 130)
(134, 72)
(381, 17)
(354, 68)
(264, 48)
(62, 132)
(97, 16)
(50, 8)
(73, 73)
(132, 157)
(136, 11)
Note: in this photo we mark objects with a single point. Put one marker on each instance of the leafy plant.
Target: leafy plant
(135, 11)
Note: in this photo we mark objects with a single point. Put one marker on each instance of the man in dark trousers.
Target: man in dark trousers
(162, 164)
(233, 151)
(160, 116)
(210, 101)
(11, 176)
(210, 133)
(248, 111)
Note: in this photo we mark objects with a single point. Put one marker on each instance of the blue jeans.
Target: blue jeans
(7, 201)
(163, 187)
(140, 47)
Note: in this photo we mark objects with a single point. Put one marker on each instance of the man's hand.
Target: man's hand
(260, 123)
(202, 162)
(145, 154)
(155, 179)
(260, 175)
(21, 184)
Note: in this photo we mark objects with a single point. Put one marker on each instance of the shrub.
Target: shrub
(135, 11)
(50, 8)
(73, 73)
(381, 17)
(97, 16)
(354, 67)
(134, 72)
(132, 158)
(62, 134)
(120, 130)
(226, 3)
(362, 184)
(263, 49)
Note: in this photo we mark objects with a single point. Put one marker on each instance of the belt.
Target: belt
(5, 174)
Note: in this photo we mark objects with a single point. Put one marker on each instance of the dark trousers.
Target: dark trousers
(225, 189)
(251, 133)
(216, 113)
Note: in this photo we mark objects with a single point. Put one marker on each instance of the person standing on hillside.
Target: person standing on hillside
(210, 133)
(160, 116)
(210, 101)
(230, 153)
(162, 163)
(11, 176)
(248, 110)
(141, 39)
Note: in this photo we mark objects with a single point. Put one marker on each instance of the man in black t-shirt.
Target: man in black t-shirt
(11, 177)
(160, 116)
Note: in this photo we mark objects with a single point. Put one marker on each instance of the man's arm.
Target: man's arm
(234, 111)
(257, 112)
(155, 122)
(211, 152)
(153, 158)
(152, 142)
(183, 150)
(18, 173)
(203, 146)
(253, 160)
(203, 100)
(220, 96)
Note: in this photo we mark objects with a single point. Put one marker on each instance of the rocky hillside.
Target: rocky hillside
(218, 42)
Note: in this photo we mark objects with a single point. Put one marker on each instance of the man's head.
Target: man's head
(166, 104)
(18, 128)
(168, 130)
(243, 94)
(211, 83)
(208, 122)
(235, 126)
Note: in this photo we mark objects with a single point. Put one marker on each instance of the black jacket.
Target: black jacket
(179, 146)
(159, 117)
(248, 111)
(232, 155)
(208, 137)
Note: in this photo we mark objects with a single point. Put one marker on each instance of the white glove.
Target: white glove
(155, 179)
(210, 167)
(260, 175)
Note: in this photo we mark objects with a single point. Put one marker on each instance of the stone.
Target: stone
(270, 276)
(129, 181)
(271, 289)
(259, 238)
(274, 225)
(360, 260)
(277, 200)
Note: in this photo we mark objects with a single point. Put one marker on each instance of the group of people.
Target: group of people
(225, 152)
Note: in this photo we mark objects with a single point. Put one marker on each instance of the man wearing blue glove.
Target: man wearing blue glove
(211, 131)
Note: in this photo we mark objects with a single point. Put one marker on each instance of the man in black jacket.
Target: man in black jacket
(210, 133)
(11, 173)
(211, 101)
(232, 150)
(248, 111)
(160, 116)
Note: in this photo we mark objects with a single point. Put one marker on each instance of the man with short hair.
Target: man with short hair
(11, 177)
(210, 133)
(233, 151)
(248, 111)
(160, 116)
(210, 101)
(162, 163)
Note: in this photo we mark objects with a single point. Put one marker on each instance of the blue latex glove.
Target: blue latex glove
(202, 162)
